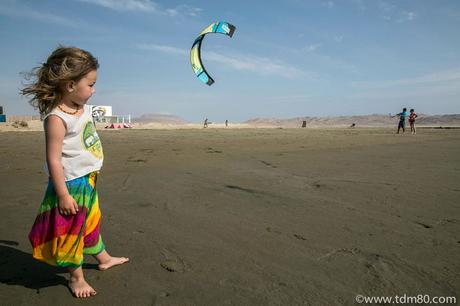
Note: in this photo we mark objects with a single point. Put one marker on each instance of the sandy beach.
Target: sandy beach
(249, 217)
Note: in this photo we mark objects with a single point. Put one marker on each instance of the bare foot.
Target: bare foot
(112, 261)
(80, 288)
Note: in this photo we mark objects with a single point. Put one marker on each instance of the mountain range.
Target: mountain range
(362, 120)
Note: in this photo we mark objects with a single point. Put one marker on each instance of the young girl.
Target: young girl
(412, 117)
(67, 225)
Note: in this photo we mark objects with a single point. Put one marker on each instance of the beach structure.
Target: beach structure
(104, 114)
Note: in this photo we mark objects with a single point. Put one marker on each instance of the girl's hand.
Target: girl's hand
(67, 205)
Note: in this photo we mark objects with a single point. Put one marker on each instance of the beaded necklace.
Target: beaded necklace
(67, 112)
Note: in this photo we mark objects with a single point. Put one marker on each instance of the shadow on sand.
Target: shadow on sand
(19, 268)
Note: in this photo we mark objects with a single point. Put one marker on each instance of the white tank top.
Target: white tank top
(82, 148)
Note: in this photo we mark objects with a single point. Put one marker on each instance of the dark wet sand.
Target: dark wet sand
(250, 217)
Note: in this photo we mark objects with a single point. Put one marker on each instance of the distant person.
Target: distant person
(412, 117)
(67, 225)
(353, 125)
(205, 124)
(226, 123)
(402, 120)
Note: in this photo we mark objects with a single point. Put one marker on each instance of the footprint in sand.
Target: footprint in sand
(126, 182)
(319, 185)
(148, 151)
(372, 272)
(448, 221)
(270, 230)
(248, 190)
(267, 164)
(423, 224)
(300, 237)
(173, 266)
(145, 204)
(136, 160)
(172, 262)
(211, 150)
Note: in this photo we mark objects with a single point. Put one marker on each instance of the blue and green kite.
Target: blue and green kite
(195, 53)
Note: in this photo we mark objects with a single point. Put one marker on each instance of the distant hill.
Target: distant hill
(367, 120)
(160, 118)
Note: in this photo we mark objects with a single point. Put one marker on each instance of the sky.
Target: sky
(286, 59)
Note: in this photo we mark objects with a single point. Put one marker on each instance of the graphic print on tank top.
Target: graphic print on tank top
(91, 141)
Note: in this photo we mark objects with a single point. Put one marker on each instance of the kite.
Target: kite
(195, 53)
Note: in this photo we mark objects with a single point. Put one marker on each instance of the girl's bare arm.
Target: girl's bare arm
(55, 132)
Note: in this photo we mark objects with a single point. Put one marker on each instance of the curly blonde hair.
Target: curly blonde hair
(49, 79)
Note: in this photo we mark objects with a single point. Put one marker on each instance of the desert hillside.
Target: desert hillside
(366, 120)
(160, 118)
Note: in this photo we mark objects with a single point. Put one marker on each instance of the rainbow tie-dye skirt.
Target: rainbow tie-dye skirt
(63, 240)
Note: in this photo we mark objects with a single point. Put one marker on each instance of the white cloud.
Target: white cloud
(388, 11)
(29, 13)
(185, 10)
(407, 16)
(431, 96)
(256, 64)
(126, 5)
(147, 6)
(336, 63)
(329, 4)
(441, 78)
(359, 4)
(338, 38)
(431, 90)
(290, 98)
(312, 47)
(385, 6)
(162, 48)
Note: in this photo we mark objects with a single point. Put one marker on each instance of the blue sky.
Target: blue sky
(286, 59)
